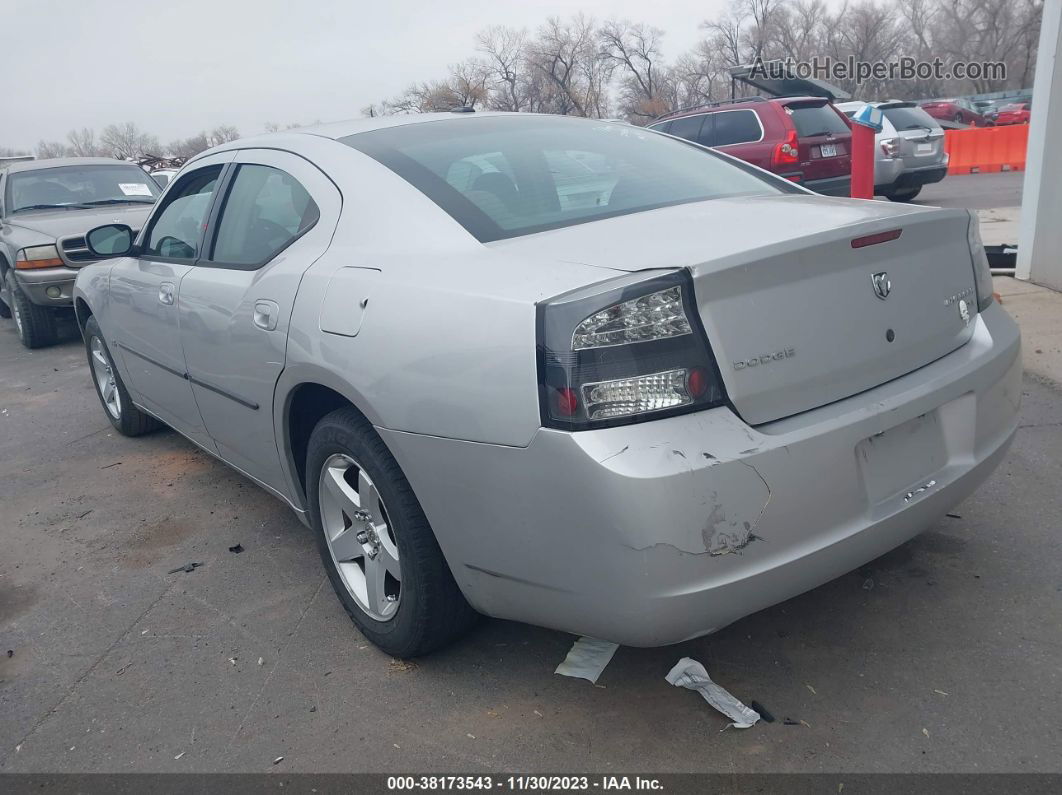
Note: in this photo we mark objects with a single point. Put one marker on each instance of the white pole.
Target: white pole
(1040, 231)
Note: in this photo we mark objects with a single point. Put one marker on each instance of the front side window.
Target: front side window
(178, 226)
(265, 210)
(500, 177)
(78, 187)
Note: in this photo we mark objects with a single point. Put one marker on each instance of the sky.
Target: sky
(178, 67)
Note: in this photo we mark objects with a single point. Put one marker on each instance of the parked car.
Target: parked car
(1013, 113)
(46, 206)
(803, 139)
(638, 419)
(910, 149)
(163, 176)
(959, 111)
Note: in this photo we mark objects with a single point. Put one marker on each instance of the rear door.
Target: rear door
(824, 138)
(275, 216)
(920, 138)
(142, 315)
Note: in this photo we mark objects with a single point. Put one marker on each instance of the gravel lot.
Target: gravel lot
(941, 656)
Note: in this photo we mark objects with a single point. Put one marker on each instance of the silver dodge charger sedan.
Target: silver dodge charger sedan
(556, 370)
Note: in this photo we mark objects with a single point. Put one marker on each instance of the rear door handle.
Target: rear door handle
(265, 314)
(166, 293)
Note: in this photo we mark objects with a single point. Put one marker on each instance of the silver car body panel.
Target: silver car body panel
(643, 534)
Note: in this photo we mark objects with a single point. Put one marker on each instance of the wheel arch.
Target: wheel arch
(304, 403)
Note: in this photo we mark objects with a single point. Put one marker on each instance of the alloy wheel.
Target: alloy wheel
(360, 537)
(104, 375)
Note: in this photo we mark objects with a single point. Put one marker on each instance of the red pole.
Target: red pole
(862, 162)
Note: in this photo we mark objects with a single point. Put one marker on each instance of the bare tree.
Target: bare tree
(507, 68)
(185, 148)
(47, 149)
(128, 142)
(635, 51)
(82, 143)
(222, 134)
(564, 53)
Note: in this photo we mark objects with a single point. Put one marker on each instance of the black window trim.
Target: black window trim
(159, 209)
(217, 210)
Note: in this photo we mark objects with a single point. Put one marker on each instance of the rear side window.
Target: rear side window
(265, 210)
(813, 120)
(177, 226)
(504, 176)
(735, 127)
(909, 118)
(688, 127)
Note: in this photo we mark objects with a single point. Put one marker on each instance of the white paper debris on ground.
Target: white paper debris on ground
(587, 659)
(691, 674)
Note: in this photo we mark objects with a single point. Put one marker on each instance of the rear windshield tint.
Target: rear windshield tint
(813, 120)
(909, 118)
(501, 177)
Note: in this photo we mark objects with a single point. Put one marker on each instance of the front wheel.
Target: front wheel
(35, 324)
(375, 541)
(126, 418)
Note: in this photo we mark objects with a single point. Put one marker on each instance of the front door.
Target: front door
(145, 294)
(275, 216)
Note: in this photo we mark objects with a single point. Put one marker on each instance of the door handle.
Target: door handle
(166, 293)
(265, 314)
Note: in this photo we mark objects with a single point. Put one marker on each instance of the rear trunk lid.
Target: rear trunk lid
(919, 137)
(789, 305)
(824, 138)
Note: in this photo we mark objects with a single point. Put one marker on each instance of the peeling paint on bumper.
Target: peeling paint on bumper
(654, 533)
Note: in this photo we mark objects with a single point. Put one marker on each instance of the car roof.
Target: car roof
(742, 103)
(56, 162)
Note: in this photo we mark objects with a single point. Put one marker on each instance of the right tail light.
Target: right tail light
(632, 352)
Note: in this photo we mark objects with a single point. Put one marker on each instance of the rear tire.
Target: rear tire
(421, 610)
(126, 418)
(35, 324)
(903, 195)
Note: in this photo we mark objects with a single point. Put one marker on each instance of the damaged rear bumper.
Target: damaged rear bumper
(653, 533)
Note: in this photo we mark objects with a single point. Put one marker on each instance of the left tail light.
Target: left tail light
(631, 352)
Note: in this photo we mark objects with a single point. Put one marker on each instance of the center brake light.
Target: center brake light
(627, 351)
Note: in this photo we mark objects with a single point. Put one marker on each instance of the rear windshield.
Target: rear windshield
(909, 118)
(77, 187)
(813, 120)
(501, 177)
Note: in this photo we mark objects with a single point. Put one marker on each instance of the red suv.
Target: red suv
(804, 139)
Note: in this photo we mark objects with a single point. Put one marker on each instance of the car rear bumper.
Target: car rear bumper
(916, 178)
(36, 283)
(653, 533)
(833, 186)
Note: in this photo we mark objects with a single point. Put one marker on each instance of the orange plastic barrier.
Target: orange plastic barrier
(980, 150)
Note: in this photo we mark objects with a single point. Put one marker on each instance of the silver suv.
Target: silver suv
(46, 207)
(909, 149)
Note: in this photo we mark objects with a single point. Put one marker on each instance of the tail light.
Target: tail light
(787, 153)
(634, 350)
(982, 270)
(890, 146)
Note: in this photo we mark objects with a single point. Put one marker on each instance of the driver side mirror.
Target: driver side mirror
(112, 240)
